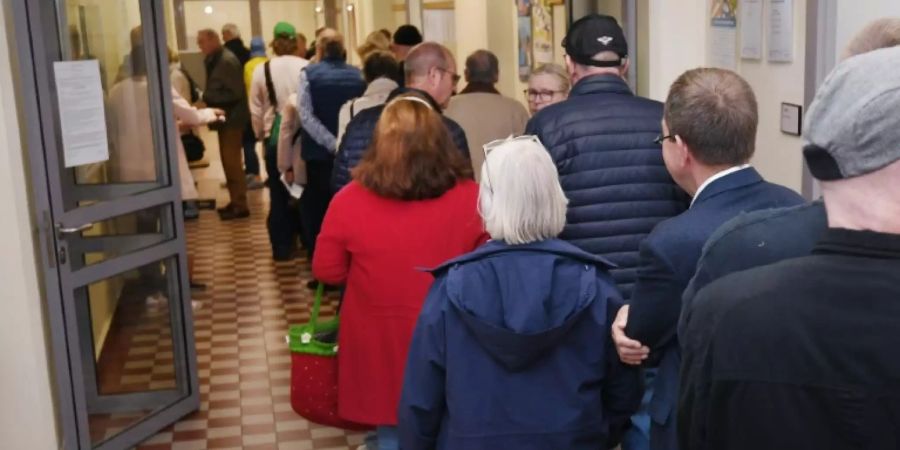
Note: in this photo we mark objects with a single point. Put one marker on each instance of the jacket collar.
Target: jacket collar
(552, 246)
(482, 88)
(601, 84)
(866, 243)
(380, 86)
(735, 180)
(405, 90)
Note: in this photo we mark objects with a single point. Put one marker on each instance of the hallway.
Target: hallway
(240, 323)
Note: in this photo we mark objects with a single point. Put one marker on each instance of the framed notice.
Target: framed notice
(781, 30)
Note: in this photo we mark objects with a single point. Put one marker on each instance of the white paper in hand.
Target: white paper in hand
(294, 189)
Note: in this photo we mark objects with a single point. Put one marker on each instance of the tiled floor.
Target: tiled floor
(240, 322)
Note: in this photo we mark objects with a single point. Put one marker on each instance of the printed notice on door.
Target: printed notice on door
(81, 114)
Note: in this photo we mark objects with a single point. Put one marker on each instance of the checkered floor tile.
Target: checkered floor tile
(240, 322)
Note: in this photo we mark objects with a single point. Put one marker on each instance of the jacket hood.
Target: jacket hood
(520, 301)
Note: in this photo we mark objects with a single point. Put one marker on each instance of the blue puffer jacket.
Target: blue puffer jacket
(359, 134)
(601, 140)
(512, 351)
(332, 83)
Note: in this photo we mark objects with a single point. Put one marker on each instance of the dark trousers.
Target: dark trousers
(251, 160)
(315, 201)
(283, 221)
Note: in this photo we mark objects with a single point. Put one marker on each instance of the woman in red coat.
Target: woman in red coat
(412, 205)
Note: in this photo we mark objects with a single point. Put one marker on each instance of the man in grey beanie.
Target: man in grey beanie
(801, 352)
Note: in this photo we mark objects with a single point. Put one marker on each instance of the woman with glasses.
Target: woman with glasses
(512, 348)
(547, 85)
(412, 204)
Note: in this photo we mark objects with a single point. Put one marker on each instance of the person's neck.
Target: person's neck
(580, 75)
(863, 205)
(700, 175)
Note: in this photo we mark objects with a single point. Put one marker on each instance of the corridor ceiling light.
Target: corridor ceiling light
(350, 7)
(318, 10)
(208, 9)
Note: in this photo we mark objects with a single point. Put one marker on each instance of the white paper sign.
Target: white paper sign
(81, 112)
(723, 35)
(723, 48)
(751, 29)
(781, 30)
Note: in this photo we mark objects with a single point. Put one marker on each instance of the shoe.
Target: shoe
(232, 213)
(195, 286)
(191, 212)
(285, 256)
(254, 183)
(227, 207)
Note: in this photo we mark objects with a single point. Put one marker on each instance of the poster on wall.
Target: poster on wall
(751, 29)
(542, 24)
(526, 56)
(781, 30)
(723, 34)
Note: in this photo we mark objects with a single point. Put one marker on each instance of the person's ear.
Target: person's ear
(570, 66)
(684, 158)
(626, 64)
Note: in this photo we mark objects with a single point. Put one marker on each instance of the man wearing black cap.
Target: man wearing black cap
(602, 140)
(405, 38)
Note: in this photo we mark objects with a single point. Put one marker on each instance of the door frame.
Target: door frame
(34, 21)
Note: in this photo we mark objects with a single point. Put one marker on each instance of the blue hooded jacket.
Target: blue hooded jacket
(512, 350)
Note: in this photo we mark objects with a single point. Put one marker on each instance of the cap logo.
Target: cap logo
(605, 40)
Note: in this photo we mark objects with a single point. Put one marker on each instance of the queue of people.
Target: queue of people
(600, 269)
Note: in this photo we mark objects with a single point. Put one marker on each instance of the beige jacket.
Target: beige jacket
(486, 117)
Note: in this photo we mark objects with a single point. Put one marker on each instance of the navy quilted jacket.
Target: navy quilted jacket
(601, 140)
(359, 134)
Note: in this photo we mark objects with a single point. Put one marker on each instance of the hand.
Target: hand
(289, 176)
(218, 112)
(630, 351)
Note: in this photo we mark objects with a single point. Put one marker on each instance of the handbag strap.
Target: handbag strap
(317, 303)
(270, 86)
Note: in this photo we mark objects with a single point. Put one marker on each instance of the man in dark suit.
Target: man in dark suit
(709, 131)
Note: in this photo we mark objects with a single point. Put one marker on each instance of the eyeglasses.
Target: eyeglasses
(542, 96)
(486, 148)
(454, 75)
(660, 139)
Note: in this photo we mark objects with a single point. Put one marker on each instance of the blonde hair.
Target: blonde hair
(520, 198)
(556, 71)
(882, 33)
(375, 41)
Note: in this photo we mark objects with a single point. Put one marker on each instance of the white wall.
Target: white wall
(678, 42)
(223, 11)
(27, 417)
(299, 13)
(852, 16)
(779, 156)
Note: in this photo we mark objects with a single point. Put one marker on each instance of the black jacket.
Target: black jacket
(359, 133)
(612, 172)
(225, 89)
(801, 354)
(237, 47)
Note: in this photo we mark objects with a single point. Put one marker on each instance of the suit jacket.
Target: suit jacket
(668, 259)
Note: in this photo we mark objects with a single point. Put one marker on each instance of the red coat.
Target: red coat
(376, 245)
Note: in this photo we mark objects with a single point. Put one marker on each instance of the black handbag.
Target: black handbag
(193, 147)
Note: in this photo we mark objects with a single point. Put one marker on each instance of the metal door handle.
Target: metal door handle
(70, 230)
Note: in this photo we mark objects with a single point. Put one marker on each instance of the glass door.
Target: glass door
(101, 139)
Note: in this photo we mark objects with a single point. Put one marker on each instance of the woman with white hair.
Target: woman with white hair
(512, 349)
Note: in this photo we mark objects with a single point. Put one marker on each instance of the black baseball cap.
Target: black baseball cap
(593, 34)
